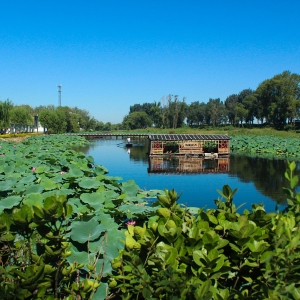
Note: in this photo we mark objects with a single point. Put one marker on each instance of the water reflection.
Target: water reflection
(187, 165)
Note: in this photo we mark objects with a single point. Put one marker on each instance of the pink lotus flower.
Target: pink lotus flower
(62, 173)
(2, 154)
(33, 169)
(131, 223)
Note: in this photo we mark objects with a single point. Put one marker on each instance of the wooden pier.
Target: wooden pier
(201, 145)
(197, 145)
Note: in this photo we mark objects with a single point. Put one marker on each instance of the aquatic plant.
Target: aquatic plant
(61, 220)
(68, 230)
(266, 146)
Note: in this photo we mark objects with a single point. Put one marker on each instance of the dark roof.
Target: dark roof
(181, 137)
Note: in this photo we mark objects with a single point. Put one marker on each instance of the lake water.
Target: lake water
(258, 180)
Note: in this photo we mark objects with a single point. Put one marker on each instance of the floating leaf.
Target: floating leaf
(86, 231)
(89, 183)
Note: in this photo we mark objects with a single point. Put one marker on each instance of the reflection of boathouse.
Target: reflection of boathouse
(187, 165)
(201, 145)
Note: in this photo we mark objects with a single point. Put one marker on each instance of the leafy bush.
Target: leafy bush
(183, 253)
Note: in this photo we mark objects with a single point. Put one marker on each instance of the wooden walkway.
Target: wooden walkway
(109, 135)
(212, 145)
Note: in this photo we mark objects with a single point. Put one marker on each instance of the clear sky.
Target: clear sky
(108, 55)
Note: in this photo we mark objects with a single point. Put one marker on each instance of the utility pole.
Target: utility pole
(59, 94)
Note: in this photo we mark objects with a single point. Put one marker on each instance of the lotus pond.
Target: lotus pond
(259, 176)
(64, 219)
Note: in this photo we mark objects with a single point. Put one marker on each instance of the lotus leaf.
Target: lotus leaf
(34, 189)
(89, 183)
(93, 199)
(87, 231)
(48, 184)
(34, 199)
(9, 202)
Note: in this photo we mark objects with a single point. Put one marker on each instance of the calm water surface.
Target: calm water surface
(258, 180)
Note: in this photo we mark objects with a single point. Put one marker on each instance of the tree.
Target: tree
(176, 112)
(54, 121)
(276, 96)
(136, 120)
(156, 115)
(215, 112)
(230, 103)
(5, 108)
(21, 115)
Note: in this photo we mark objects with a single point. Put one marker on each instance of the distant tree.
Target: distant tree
(176, 112)
(215, 112)
(107, 126)
(156, 114)
(99, 126)
(136, 120)
(230, 104)
(5, 108)
(249, 105)
(196, 113)
(21, 115)
(276, 96)
(240, 113)
(54, 121)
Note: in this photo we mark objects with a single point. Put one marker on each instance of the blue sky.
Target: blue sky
(111, 54)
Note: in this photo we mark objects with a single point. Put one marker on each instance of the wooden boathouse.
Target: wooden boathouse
(201, 145)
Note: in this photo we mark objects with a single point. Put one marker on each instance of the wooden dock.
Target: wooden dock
(201, 145)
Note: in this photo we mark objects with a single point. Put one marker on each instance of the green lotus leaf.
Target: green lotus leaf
(20, 189)
(130, 188)
(9, 202)
(89, 183)
(7, 169)
(111, 187)
(34, 199)
(27, 179)
(92, 198)
(74, 171)
(102, 170)
(150, 193)
(135, 209)
(101, 292)
(107, 221)
(81, 257)
(41, 169)
(48, 184)
(36, 188)
(5, 186)
(86, 231)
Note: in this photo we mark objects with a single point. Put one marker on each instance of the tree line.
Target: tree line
(55, 119)
(275, 102)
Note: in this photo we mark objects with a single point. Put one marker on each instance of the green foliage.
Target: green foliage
(70, 231)
(61, 220)
(183, 253)
(267, 146)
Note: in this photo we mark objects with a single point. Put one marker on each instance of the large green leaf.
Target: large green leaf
(36, 188)
(89, 183)
(86, 231)
(48, 184)
(9, 202)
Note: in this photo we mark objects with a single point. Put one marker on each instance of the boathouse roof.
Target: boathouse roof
(182, 137)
